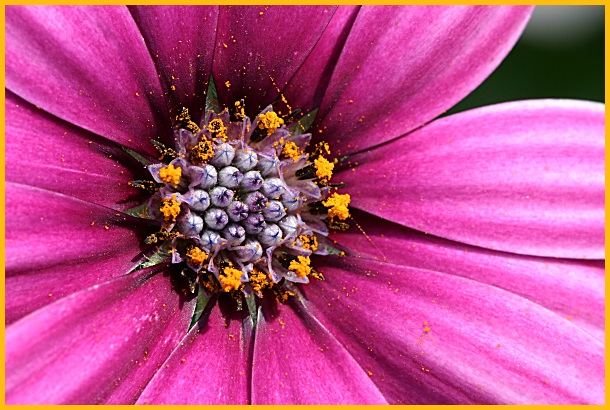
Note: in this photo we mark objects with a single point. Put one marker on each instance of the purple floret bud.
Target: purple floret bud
(230, 177)
(268, 165)
(209, 177)
(274, 211)
(252, 181)
(221, 196)
(271, 235)
(237, 211)
(289, 226)
(291, 201)
(223, 155)
(250, 252)
(198, 200)
(254, 223)
(234, 234)
(191, 224)
(245, 160)
(216, 218)
(272, 187)
(256, 201)
(210, 240)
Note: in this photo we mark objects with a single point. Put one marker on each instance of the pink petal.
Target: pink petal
(429, 337)
(210, 366)
(403, 66)
(523, 177)
(71, 62)
(258, 49)
(101, 345)
(572, 289)
(57, 245)
(46, 152)
(181, 43)
(297, 361)
(306, 89)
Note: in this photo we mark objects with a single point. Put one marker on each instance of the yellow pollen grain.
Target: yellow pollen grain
(300, 266)
(338, 205)
(291, 151)
(196, 256)
(169, 174)
(228, 84)
(170, 209)
(230, 279)
(324, 169)
(270, 121)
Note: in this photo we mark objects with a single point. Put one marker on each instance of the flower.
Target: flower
(480, 275)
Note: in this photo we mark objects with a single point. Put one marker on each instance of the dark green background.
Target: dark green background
(532, 70)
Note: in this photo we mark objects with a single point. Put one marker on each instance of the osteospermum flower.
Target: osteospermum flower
(203, 267)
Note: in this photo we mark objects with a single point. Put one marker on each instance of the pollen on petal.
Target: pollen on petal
(170, 208)
(270, 121)
(324, 168)
(169, 174)
(300, 266)
(338, 205)
(218, 128)
(230, 279)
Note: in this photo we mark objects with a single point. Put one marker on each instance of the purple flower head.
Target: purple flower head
(301, 229)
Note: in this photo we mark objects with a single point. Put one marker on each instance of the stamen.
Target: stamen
(150, 186)
(269, 121)
(324, 168)
(300, 266)
(230, 278)
(309, 242)
(183, 120)
(170, 209)
(338, 206)
(195, 256)
(202, 152)
(163, 150)
(291, 151)
(169, 174)
(218, 129)
(258, 280)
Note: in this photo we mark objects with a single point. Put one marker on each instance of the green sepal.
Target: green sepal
(301, 125)
(211, 97)
(332, 251)
(138, 211)
(251, 303)
(160, 255)
(137, 156)
(202, 302)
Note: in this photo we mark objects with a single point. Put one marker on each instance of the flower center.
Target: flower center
(242, 204)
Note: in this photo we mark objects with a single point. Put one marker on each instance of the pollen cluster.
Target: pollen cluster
(243, 204)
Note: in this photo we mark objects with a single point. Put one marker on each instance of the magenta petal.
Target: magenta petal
(523, 177)
(70, 62)
(57, 245)
(181, 43)
(258, 50)
(297, 361)
(46, 152)
(572, 289)
(210, 366)
(421, 61)
(428, 337)
(306, 89)
(101, 345)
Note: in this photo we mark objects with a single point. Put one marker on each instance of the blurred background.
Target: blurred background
(560, 55)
